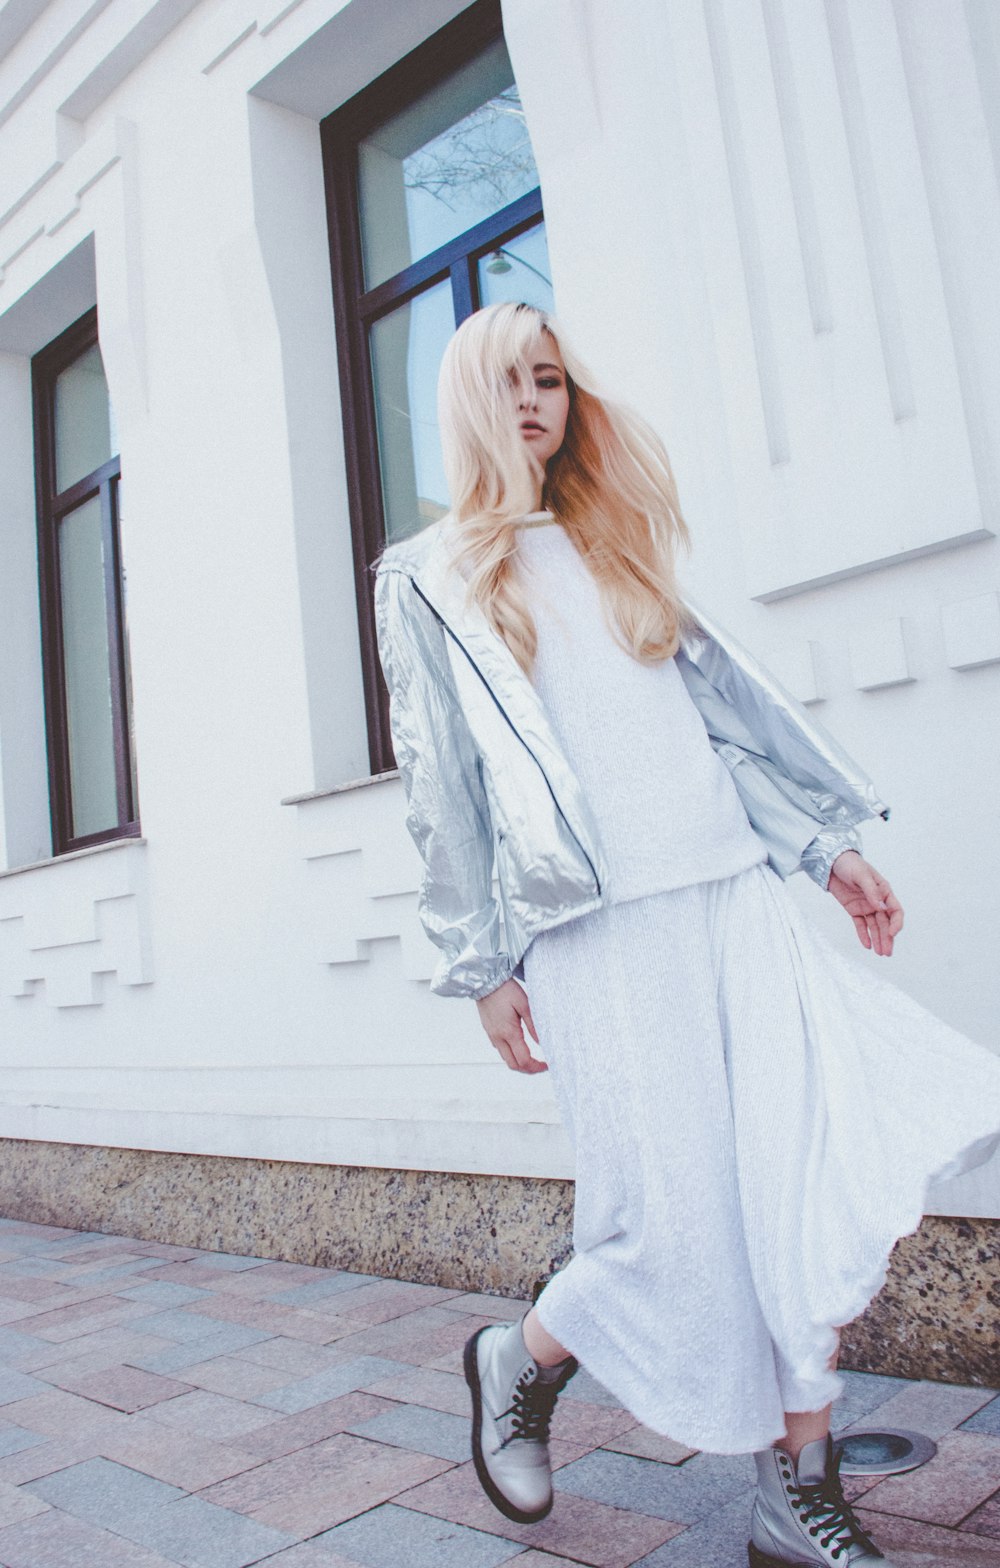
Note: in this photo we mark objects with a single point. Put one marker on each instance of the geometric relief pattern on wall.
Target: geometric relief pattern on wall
(971, 630)
(67, 926)
(363, 873)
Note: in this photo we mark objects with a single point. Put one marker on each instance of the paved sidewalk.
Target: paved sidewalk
(165, 1406)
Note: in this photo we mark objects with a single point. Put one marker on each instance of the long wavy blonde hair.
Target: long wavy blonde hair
(610, 485)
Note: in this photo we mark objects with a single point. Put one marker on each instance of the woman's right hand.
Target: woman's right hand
(500, 1014)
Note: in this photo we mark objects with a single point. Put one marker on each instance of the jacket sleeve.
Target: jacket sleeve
(448, 814)
(819, 855)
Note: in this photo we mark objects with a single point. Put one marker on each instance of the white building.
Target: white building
(773, 228)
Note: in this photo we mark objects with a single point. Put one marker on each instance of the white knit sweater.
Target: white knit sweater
(667, 809)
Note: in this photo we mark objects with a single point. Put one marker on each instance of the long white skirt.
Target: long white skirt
(756, 1120)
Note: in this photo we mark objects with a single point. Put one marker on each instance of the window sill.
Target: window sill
(339, 789)
(73, 854)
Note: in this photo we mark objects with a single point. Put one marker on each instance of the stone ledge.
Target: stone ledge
(937, 1316)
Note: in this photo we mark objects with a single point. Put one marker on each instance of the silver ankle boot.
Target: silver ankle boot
(801, 1518)
(512, 1403)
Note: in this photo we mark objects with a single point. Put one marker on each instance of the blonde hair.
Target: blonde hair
(610, 485)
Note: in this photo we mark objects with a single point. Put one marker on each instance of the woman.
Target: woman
(755, 1119)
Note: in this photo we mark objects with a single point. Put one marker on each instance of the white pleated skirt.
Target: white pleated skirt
(756, 1121)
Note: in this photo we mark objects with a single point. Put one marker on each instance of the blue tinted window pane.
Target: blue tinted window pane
(406, 350)
(518, 270)
(456, 156)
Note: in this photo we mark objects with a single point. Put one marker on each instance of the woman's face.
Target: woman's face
(543, 405)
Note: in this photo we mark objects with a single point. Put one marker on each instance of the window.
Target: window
(434, 210)
(84, 636)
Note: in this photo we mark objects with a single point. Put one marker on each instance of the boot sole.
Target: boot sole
(486, 1481)
(759, 1559)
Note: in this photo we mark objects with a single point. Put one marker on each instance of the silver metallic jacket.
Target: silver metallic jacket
(486, 779)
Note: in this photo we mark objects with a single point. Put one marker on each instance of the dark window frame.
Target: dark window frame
(355, 308)
(51, 506)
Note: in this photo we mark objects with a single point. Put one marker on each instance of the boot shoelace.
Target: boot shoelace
(824, 1501)
(532, 1407)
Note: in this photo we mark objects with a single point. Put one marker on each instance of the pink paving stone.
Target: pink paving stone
(291, 1322)
(58, 1540)
(188, 1272)
(321, 1486)
(311, 1426)
(388, 1299)
(930, 1408)
(916, 1544)
(180, 1458)
(16, 1505)
(985, 1519)
(402, 1341)
(590, 1532)
(266, 1278)
(84, 1317)
(61, 1414)
(128, 1388)
(506, 1309)
(235, 1378)
(30, 1288)
(166, 1250)
(92, 1252)
(211, 1415)
(964, 1472)
(44, 1458)
(637, 1439)
(423, 1386)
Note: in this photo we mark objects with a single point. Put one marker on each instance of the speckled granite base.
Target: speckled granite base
(938, 1315)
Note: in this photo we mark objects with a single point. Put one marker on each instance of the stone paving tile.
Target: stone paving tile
(341, 1379)
(17, 1504)
(392, 1537)
(160, 1293)
(14, 1438)
(717, 1541)
(684, 1493)
(197, 1534)
(294, 1355)
(424, 1386)
(268, 1278)
(59, 1414)
(291, 1322)
(211, 1415)
(18, 1385)
(985, 1519)
(306, 1555)
(322, 1289)
(288, 1433)
(57, 1540)
(238, 1379)
(646, 1444)
(320, 1486)
(228, 1261)
(110, 1348)
(502, 1309)
(930, 1408)
(127, 1388)
(588, 1390)
(917, 1544)
(592, 1533)
(986, 1419)
(426, 1431)
(864, 1392)
(401, 1333)
(31, 1289)
(389, 1298)
(82, 1317)
(47, 1456)
(184, 1459)
(102, 1491)
(177, 1356)
(964, 1472)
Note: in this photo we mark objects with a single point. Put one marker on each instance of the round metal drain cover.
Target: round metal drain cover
(887, 1452)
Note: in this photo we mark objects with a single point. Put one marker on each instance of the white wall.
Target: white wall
(736, 251)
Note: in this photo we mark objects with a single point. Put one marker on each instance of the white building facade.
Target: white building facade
(231, 248)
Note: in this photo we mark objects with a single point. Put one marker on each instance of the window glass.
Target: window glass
(86, 668)
(406, 350)
(454, 157)
(84, 429)
(518, 270)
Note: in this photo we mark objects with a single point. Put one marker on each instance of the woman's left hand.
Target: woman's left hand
(868, 899)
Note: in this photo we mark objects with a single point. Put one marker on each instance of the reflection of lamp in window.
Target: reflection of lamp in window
(500, 261)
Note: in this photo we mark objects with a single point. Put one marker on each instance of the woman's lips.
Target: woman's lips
(532, 425)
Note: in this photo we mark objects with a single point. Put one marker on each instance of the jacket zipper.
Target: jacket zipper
(459, 643)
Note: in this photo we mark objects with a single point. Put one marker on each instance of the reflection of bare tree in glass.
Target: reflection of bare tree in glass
(486, 154)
